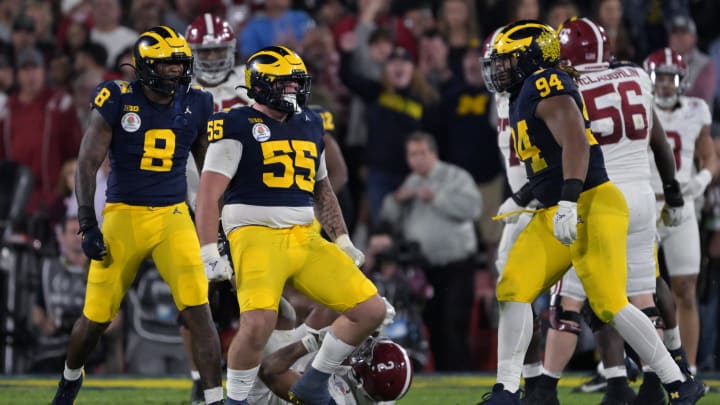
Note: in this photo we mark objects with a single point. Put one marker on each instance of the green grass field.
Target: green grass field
(426, 390)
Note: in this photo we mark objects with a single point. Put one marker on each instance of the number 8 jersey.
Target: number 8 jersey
(535, 145)
(150, 145)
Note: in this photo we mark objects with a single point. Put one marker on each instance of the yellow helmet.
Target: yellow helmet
(266, 72)
(519, 50)
(162, 44)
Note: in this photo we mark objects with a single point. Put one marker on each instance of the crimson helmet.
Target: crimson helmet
(487, 45)
(583, 44)
(382, 368)
(665, 61)
(206, 34)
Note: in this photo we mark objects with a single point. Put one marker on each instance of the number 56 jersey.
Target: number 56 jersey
(150, 142)
(619, 102)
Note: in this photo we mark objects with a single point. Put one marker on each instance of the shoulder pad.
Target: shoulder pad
(547, 83)
(623, 63)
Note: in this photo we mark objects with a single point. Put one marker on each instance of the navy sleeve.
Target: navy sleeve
(106, 99)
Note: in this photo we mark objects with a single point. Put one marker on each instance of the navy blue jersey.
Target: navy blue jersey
(327, 118)
(150, 142)
(279, 159)
(535, 144)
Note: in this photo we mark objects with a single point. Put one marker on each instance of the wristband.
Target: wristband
(571, 190)
(523, 196)
(86, 218)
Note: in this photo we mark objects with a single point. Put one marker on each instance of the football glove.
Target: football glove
(697, 185)
(565, 222)
(345, 244)
(313, 340)
(389, 313)
(93, 243)
(672, 211)
(216, 267)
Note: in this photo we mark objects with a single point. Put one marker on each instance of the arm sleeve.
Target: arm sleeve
(322, 168)
(223, 157)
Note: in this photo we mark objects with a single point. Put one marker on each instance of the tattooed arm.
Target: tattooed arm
(93, 149)
(327, 209)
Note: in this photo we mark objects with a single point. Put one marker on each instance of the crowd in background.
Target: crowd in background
(387, 70)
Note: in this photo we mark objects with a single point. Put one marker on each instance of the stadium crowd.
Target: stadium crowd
(402, 93)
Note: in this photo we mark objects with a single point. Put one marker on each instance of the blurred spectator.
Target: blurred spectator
(701, 72)
(59, 71)
(9, 9)
(523, 10)
(82, 89)
(559, 11)
(107, 31)
(76, 36)
(40, 129)
(375, 13)
(277, 24)
(59, 301)
(181, 14)
(65, 203)
(145, 14)
(418, 18)
(436, 206)
(395, 108)
(434, 59)
(609, 14)
(323, 63)
(457, 22)
(91, 57)
(22, 36)
(124, 64)
(327, 12)
(468, 138)
(7, 78)
(41, 13)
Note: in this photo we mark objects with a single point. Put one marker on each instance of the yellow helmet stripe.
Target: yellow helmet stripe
(505, 44)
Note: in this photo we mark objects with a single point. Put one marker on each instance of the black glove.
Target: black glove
(92, 239)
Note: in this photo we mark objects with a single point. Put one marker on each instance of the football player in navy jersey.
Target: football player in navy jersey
(148, 127)
(267, 162)
(584, 219)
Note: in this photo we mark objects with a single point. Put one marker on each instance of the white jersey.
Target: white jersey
(227, 94)
(683, 126)
(514, 171)
(619, 103)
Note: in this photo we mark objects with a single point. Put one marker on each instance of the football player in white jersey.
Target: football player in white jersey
(687, 123)
(213, 43)
(619, 102)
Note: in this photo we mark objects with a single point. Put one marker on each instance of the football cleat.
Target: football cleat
(651, 391)
(618, 395)
(687, 392)
(597, 383)
(311, 388)
(499, 396)
(197, 397)
(542, 396)
(67, 391)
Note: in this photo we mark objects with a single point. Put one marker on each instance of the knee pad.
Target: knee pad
(652, 312)
(561, 320)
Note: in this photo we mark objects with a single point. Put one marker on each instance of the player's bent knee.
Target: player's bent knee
(565, 321)
(654, 314)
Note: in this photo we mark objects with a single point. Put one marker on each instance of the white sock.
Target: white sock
(693, 370)
(239, 383)
(615, 372)
(213, 395)
(553, 375)
(514, 333)
(671, 338)
(332, 353)
(637, 330)
(72, 374)
(195, 375)
(532, 370)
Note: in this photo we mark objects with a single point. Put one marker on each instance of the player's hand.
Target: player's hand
(93, 243)
(508, 206)
(344, 243)
(672, 212)
(697, 185)
(216, 267)
(565, 222)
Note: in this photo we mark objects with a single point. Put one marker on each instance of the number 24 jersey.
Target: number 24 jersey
(150, 142)
(535, 144)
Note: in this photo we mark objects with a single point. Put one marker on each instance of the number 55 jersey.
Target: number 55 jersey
(151, 142)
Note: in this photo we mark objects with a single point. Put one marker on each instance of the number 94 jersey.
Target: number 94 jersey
(535, 144)
(150, 142)
(279, 161)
